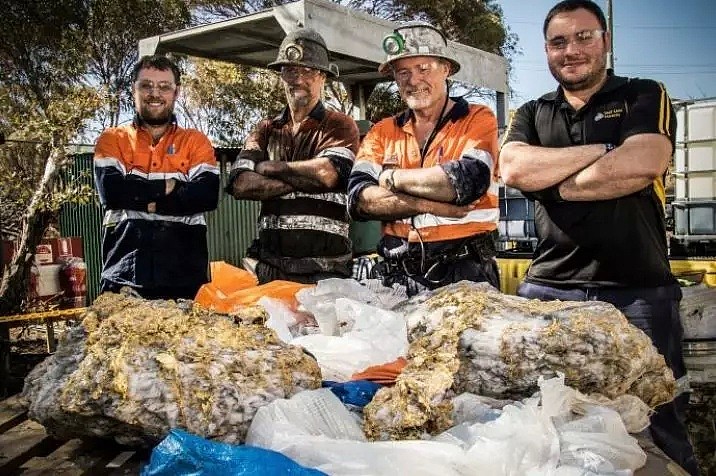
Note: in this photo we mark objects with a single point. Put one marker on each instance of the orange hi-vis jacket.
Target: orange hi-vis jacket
(470, 131)
(167, 247)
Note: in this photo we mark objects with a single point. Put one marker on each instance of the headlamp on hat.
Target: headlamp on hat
(294, 52)
(393, 44)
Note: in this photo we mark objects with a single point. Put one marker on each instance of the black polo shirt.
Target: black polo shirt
(618, 242)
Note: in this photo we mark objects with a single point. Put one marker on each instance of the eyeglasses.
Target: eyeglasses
(583, 38)
(295, 72)
(164, 87)
(422, 70)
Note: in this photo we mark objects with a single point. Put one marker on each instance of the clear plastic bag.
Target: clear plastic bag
(599, 443)
(369, 336)
(316, 430)
(544, 435)
(321, 301)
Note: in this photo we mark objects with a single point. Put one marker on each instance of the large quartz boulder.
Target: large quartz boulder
(133, 369)
(469, 337)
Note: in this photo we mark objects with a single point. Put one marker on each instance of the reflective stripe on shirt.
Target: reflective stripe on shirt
(112, 217)
(303, 222)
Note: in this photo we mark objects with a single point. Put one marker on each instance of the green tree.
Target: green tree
(42, 106)
(225, 101)
(112, 33)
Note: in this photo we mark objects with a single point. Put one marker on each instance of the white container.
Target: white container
(517, 229)
(702, 121)
(695, 157)
(696, 186)
(48, 280)
(696, 122)
(695, 218)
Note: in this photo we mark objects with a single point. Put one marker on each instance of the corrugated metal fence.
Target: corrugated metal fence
(232, 226)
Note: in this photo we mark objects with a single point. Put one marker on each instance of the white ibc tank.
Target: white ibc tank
(695, 155)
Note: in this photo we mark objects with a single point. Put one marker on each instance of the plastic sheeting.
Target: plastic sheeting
(182, 453)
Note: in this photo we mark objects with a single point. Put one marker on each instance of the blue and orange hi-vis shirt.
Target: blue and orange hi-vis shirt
(465, 146)
(166, 248)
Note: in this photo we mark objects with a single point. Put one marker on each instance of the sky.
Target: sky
(669, 41)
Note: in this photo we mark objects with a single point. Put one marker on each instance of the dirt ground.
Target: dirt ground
(28, 347)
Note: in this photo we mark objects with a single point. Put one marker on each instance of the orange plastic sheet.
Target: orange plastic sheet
(385, 374)
(231, 288)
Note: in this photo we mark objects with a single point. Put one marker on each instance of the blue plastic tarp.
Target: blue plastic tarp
(184, 454)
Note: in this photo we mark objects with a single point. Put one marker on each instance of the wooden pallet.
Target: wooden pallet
(27, 449)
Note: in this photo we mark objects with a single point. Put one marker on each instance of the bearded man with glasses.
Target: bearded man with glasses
(429, 173)
(593, 155)
(297, 165)
(155, 180)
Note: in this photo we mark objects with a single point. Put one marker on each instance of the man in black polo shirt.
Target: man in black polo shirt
(593, 155)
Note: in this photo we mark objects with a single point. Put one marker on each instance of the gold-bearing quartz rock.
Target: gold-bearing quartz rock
(469, 337)
(133, 369)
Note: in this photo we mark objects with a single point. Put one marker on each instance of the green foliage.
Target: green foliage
(226, 101)
(207, 10)
(41, 52)
(113, 32)
(384, 102)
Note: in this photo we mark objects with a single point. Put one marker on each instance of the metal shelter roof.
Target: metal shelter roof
(354, 39)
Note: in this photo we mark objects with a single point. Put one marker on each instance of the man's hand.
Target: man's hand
(152, 207)
(386, 180)
(447, 209)
(268, 168)
(169, 185)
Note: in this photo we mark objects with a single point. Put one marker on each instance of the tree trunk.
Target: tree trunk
(13, 288)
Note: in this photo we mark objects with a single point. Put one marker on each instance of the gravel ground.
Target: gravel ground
(27, 349)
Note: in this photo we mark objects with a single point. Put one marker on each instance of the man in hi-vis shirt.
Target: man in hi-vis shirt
(155, 181)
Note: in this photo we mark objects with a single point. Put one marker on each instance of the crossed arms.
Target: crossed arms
(592, 172)
(376, 191)
(586, 172)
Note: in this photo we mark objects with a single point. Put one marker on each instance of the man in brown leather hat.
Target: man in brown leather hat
(297, 164)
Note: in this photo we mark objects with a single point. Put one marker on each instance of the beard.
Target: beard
(584, 81)
(300, 101)
(155, 119)
(418, 103)
(426, 97)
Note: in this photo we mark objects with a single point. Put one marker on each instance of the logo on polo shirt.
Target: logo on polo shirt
(612, 113)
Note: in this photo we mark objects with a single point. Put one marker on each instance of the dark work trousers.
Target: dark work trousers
(163, 292)
(441, 274)
(266, 273)
(656, 312)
